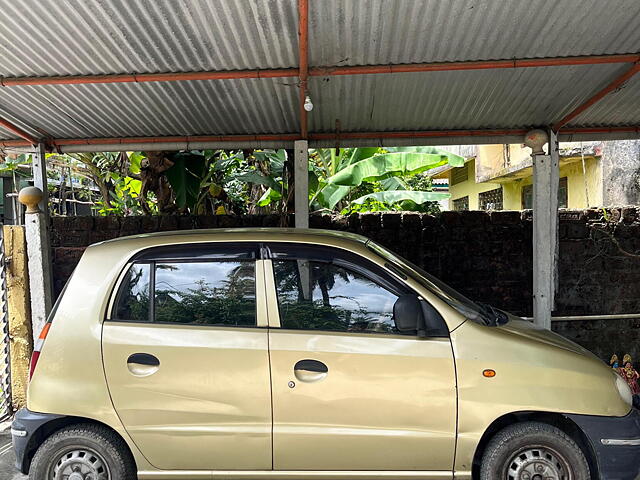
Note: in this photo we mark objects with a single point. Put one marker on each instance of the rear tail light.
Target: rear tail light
(37, 348)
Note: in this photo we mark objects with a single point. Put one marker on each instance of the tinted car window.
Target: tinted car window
(205, 293)
(133, 299)
(316, 295)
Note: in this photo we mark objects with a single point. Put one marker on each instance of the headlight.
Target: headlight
(624, 390)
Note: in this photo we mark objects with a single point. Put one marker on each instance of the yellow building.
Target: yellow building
(499, 177)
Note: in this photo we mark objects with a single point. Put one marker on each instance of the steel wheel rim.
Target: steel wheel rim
(79, 464)
(537, 462)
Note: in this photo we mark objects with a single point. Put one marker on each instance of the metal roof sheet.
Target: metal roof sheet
(58, 38)
(481, 99)
(53, 37)
(355, 32)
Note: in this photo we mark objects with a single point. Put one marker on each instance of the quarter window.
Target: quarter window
(317, 295)
(132, 302)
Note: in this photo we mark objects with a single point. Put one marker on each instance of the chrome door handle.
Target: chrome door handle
(310, 370)
(143, 364)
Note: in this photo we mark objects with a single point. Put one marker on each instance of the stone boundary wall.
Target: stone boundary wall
(485, 255)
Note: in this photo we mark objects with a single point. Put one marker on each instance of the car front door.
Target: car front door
(349, 391)
(186, 359)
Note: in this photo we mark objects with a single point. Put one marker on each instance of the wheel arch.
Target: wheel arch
(49, 428)
(558, 420)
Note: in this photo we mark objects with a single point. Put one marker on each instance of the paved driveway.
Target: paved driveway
(7, 470)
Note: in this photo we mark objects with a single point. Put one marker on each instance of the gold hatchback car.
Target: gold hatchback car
(275, 353)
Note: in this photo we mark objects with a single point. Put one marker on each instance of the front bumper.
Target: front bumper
(616, 443)
(25, 429)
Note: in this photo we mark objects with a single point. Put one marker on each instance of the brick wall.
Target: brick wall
(487, 256)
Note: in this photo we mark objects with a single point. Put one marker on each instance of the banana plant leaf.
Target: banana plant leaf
(394, 164)
(185, 176)
(255, 177)
(269, 196)
(395, 196)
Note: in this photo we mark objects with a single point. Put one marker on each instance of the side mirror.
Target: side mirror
(407, 313)
(414, 315)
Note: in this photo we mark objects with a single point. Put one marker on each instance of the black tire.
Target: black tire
(531, 445)
(84, 446)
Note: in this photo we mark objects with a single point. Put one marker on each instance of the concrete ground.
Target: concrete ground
(7, 469)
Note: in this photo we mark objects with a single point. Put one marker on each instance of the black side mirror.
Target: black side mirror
(414, 315)
(407, 313)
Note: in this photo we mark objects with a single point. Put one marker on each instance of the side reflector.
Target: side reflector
(489, 373)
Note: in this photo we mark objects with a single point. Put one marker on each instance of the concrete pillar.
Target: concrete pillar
(545, 227)
(20, 334)
(301, 183)
(39, 167)
(39, 258)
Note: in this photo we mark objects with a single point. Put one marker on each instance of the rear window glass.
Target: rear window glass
(206, 293)
(215, 292)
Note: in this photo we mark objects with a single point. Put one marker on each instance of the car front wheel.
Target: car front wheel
(533, 451)
(83, 452)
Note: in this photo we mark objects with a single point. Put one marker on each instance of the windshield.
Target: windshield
(476, 311)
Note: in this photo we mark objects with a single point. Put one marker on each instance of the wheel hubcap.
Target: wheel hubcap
(80, 465)
(538, 463)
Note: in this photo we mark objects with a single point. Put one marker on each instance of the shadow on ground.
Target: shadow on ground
(7, 469)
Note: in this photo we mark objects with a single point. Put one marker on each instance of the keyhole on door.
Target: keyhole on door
(292, 384)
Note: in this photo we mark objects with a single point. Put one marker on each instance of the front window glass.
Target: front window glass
(316, 295)
(206, 293)
(133, 299)
(449, 295)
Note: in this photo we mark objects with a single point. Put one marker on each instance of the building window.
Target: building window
(563, 199)
(491, 200)
(459, 175)
(461, 203)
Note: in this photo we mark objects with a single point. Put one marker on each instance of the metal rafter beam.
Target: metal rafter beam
(322, 71)
(18, 131)
(290, 137)
(303, 54)
(614, 85)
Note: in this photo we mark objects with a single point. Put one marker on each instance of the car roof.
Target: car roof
(262, 234)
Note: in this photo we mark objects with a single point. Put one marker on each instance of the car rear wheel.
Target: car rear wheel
(83, 452)
(533, 451)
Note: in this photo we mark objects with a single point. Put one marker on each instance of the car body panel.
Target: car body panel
(536, 371)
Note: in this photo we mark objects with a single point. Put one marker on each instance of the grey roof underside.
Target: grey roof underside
(52, 37)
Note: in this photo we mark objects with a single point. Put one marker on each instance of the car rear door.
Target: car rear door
(349, 391)
(186, 357)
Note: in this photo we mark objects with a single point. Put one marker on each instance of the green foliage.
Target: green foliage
(255, 181)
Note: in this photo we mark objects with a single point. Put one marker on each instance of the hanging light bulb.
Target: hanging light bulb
(308, 106)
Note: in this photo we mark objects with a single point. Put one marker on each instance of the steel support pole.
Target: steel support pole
(545, 232)
(301, 183)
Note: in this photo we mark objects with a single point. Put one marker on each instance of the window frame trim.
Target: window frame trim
(261, 300)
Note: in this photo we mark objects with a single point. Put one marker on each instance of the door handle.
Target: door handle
(310, 370)
(143, 364)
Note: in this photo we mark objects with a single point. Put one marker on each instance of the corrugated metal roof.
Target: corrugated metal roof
(55, 37)
(453, 100)
(159, 109)
(621, 107)
(355, 32)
